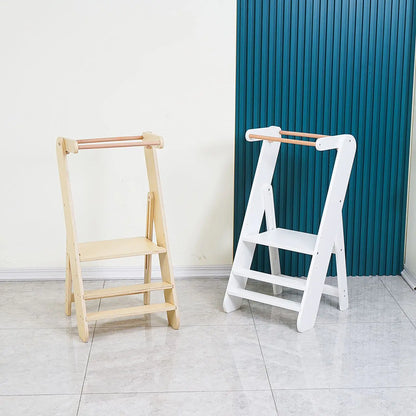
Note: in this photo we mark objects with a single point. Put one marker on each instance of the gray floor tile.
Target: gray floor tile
(404, 295)
(199, 300)
(351, 355)
(369, 301)
(42, 361)
(43, 405)
(351, 358)
(195, 358)
(201, 303)
(38, 304)
(350, 402)
(249, 403)
(397, 286)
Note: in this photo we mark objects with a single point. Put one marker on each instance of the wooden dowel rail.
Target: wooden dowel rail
(147, 139)
(282, 140)
(111, 145)
(110, 139)
(301, 134)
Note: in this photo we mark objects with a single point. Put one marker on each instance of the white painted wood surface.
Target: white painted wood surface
(270, 214)
(321, 246)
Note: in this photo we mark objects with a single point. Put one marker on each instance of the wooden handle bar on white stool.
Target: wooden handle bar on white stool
(291, 141)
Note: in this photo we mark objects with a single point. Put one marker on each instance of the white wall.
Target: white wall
(410, 261)
(410, 252)
(102, 68)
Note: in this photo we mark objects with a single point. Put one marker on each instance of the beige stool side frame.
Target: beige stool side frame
(77, 252)
(73, 266)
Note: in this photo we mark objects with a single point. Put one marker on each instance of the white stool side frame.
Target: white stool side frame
(329, 239)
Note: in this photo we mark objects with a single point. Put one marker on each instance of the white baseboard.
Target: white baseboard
(111, 273)
(409, 277)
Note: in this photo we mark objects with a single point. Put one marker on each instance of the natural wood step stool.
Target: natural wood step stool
(77, 252)
(330, 237)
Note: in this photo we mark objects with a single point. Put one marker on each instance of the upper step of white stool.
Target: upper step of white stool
(285, 239)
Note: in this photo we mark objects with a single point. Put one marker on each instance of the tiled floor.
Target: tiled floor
(250, 362)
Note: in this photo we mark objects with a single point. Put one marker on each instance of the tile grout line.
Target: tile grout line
(349, 388)
(262, 356)
(398, 303)
(193, 325)
(39, 394)
(232, 390)
(86, 369)
(88, 359)
(135, 392)
(211, 391)
(196, 325)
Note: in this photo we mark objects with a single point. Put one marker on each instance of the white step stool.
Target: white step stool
(330, 238)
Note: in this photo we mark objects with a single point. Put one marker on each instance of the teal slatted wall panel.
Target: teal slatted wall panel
(330, 66)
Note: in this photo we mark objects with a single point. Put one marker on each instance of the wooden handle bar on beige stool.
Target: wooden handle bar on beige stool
(77, 252)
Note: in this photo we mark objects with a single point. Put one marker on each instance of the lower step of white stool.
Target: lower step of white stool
(282, 280)
(269, 300)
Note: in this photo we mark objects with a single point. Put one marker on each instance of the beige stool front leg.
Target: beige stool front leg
(68, 287)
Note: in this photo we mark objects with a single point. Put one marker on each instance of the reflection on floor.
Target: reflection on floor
(250, 362)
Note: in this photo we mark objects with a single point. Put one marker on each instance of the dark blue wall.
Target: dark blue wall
(330, 67)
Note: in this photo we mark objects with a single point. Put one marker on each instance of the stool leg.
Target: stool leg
(161, 234)
(149, 236)
(170, 294)
(68, 287)
(147, 276)
(341, 270)
(270, 215)
(79, 298)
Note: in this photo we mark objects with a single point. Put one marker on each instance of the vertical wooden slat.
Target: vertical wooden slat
(330, 67)
(403, 160)
(371, 131)
(304, 53)
(292, 151)
(390, 156)
(240, 121)
(360, 220)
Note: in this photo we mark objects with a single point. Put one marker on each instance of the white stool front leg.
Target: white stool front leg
(270, 214)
